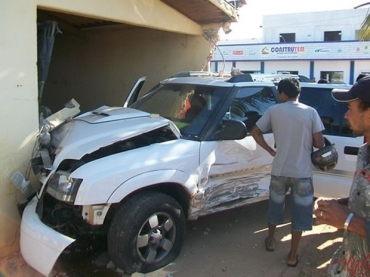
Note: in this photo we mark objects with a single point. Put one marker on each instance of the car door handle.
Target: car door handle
(351, 150)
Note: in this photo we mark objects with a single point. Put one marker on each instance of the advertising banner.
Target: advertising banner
(353, 50)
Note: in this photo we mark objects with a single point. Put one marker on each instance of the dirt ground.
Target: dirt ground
(226, 244)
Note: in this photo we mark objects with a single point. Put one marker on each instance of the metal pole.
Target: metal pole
(359, 6)
(282, 38)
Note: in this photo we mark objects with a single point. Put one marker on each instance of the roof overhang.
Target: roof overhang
(205, 12)
(187, 17)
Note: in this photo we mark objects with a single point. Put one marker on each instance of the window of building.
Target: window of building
(334, 77)
(287, 37)
(333, 36)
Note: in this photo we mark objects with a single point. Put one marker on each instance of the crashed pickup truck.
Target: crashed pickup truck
(135, 174)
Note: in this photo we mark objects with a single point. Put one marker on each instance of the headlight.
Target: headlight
(63, 187)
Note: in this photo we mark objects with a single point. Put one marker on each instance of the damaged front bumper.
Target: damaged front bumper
(40, 245)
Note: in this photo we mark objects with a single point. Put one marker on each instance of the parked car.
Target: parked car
(134, 175)
(276, 77)
(304, 79)
(335, 183)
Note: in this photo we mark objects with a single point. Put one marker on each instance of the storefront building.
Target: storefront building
(331, 51)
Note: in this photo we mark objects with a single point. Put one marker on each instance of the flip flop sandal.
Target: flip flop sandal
(295, 264)
(267, 246)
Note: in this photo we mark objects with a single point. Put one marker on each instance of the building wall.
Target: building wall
(311, 26)
(18, 113)
(222, 66)
(361, 66)
(309, 54)
(333, 65)
(277, 66)
(101, 70)
(248, 66)
(96, 71)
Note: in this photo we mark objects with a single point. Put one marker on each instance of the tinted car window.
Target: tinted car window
(250, 103)
(330, 111)
(189, 106)
(304, 79)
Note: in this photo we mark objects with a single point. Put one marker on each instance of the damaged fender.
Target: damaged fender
(36, 235)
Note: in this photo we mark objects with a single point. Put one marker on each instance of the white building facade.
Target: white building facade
(320, 45)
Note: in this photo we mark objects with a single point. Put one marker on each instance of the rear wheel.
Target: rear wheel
(147, 232)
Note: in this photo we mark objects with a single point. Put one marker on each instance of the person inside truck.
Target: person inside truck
(197, 103)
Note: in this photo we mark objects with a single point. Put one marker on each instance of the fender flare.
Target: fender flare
(140, 181)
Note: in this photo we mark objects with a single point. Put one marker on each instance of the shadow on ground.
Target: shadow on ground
(224, 244)
(232, 244)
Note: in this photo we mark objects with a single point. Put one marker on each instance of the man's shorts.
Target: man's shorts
(301, 195)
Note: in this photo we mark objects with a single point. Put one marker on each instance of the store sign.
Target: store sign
(238, 52)
(287, 49)
(282, 51)
(310, 51)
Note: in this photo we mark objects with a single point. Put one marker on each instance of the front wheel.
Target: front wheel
(147, 232)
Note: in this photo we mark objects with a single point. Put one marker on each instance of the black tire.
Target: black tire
(146, 233)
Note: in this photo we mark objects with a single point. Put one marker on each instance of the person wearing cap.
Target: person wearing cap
(352, 214)
(296, 128)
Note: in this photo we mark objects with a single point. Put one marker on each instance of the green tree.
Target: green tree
(364, 32)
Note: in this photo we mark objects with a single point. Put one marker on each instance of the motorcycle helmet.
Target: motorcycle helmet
(326, 158)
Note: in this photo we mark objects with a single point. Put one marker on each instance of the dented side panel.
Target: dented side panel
(233, 174)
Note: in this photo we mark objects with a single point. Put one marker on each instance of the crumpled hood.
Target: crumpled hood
(101, 127)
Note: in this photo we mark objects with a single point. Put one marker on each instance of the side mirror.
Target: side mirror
(231, 130)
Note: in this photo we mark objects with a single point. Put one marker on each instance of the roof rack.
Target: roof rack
(199, 74)
(241, 78)
(274, 77)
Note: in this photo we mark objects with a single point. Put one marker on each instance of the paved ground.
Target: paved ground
(227, 244)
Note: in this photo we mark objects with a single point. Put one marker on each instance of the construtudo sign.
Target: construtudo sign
(356, 50)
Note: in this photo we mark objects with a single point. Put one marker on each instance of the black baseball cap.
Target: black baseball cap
(360, 90)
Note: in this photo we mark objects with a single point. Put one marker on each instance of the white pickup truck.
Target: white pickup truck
(134, 175)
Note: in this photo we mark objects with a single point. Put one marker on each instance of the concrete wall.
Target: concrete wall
(277, 66)
(95, 71)
(19, 108)
(101, 68)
